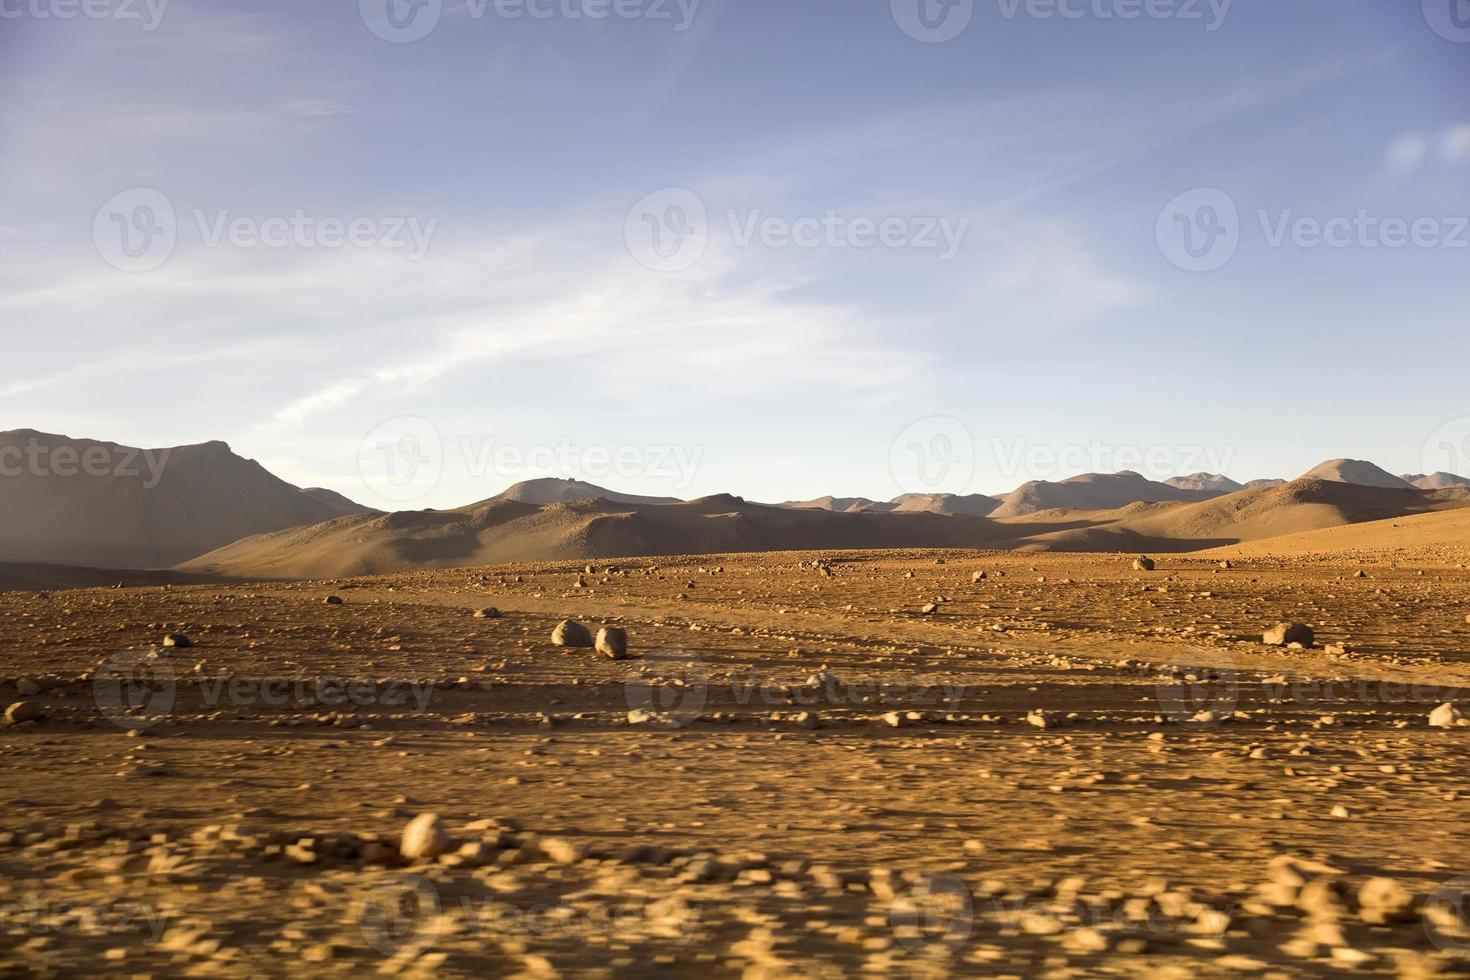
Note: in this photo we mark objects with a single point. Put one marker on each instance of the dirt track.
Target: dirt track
(1196, 802)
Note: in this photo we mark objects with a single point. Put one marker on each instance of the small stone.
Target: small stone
(1143, 564)
(929, 608)
(489, 612)
(979, 577)
(23, 711)
(425, 837)
(612, 641)
(177, 640)
(1446, 715)
(28, 687)
(570, 633)
(332, 600)
(1041, 718)
(1383, 900)
(1284, 634)
(809, 720)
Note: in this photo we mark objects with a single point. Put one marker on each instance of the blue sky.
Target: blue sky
(498, 315)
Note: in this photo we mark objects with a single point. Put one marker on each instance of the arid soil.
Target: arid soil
(1068, 767)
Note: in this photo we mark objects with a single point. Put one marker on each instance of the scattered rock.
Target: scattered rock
(612, 641)
(1285, 634)
(23, 711)
(1142, 564)
(333, 600)
(177, 640)
(1446, 715)
(425, 837)
(570, 633)
(1382, 901)
(489, 612)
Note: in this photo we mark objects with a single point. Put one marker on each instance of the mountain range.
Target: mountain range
(202, 509)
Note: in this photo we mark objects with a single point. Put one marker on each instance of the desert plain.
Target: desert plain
(832, 763)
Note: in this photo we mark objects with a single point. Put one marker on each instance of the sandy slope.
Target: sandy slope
(132, 508)
(1250, 515)
(1445, 534)
(507, 531)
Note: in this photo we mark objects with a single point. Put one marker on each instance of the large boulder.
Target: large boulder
(612, 641)
(570, 633)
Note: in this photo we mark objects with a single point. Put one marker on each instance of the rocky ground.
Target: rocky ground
(809, 765)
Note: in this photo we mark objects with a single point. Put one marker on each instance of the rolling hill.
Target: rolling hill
(495, 531)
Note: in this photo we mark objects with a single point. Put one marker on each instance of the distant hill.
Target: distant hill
(1436, 481)
(1250, 515)
(499, 530)
(838, 505)
(84, 502)
(1357, 472)
(555, 491)
(1263, 484)
(1205, 482)
(1092, 491)
(972, 504)
(496, 531)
